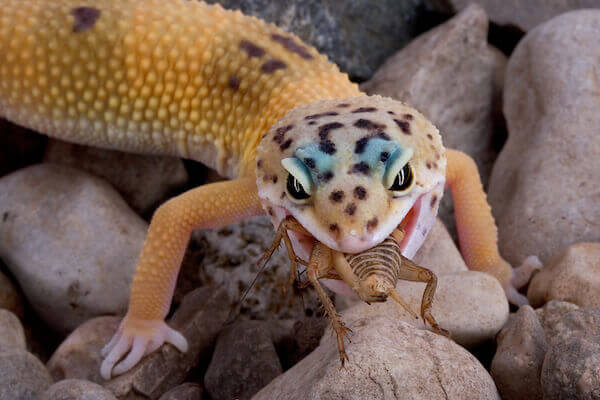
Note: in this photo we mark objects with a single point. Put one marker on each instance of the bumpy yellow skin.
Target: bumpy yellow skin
(186, 79)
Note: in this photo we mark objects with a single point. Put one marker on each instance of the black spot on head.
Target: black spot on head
(259, 163)
(428, 165)
(291, 45)
(85, 18)
(325, 129)
(282, 195)
(361, 167)
(391, 113)
(343, 105)
(364, 109)
(429, 136)
(360, 144)
(408, 117)
(350, 209)
(310, 162)
(334, 228)
(312, 122)
(272, 65)
(234, 82)
(327, 146)
(404, 125)
(367, 124)
(360, 193)
(325, 176)
(433, 201)
(251, 49)
(270, 211)
(372, 223)
(336, 196)
(274, 178)
(384, 156)
(280, 133)
(323, 114)
(285, 145)
(383, 135)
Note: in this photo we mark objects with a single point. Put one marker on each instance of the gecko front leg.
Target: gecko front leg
(143, 329)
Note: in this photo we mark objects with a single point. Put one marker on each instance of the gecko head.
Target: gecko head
(352, 170)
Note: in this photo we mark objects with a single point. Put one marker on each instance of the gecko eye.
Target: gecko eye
(404, 179)
(295, 189)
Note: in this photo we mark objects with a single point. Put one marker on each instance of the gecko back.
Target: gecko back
(166, 77)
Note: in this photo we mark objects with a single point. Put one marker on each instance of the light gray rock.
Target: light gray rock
(22, 375)
(144, 181)
(243, 362)
(388, 359)
(75, 389)
(199, 318)
(71, 242)
(187, 391)
(517, 13)
(10, 297)
(451, 75)
(542, 190)
(12, 335)
(358, 35)
(78, 356)
(517, 364)
(572, 276)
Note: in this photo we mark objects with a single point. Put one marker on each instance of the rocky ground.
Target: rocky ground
(73, 219)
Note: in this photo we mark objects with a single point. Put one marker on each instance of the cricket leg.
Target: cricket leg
(409, 271)
(320, 264)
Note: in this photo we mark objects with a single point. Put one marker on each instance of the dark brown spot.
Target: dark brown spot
(343, 105)
(291, 45)
(408, 117)
(323, 114)
(429, 136)
(270, 211)
(334, 228)
(251, 49)
(325, 176)
(85, 18)
(372, 223)
(324, 129)
(312, 122)
(428, 165)
(274, 178)
(364, 109)
(360, 193)
(336, 196)
(382, 135)
(234, 82)
(282, 195)
(391, 113)
(259, 164)
(272, 65)
(361, 167)
(285, 145)
(404, 125)
(384, 156)
(360, 144)
(367, 124)
(327, 146)
(433, 201)
(280, 133)
(350, 209)
(309, 162)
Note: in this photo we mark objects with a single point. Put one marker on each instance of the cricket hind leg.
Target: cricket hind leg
(409, 271)
(319, 266)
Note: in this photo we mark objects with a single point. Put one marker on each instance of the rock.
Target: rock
(187, 391)
(22, 376)
(388, 359)
(571, 368)
(294, 340)
(573, 276)
(12, 335)
(520, 14)
(228, 256)
(75, 389)
(551, 105)
(143, 181)
(552, 314)
(517, 365)
(439, 253)
(471, 305)
(10, 297)
(454, 59)
(199, 318)
(70, 241)
(19, 147)
(358, 35)
(78, 356)
(243, 362)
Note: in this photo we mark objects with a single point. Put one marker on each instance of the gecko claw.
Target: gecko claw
(520, 278)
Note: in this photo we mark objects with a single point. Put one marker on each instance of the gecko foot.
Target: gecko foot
(138, 338)
(521, 277)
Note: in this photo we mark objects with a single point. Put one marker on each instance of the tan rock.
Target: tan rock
(572, 276)
(78, 356)
(75, 389)
(388, 359)
(187, 391)
(543, 187)
(22, 375)
(12, 335)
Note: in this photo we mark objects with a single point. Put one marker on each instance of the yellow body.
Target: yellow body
(192, 80)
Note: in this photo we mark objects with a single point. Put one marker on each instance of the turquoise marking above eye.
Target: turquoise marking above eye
(317, 161)
(395, 163)
(297, 168)
(371, 155)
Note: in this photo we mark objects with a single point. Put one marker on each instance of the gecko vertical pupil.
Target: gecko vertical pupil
(403, 180)
(295, 188)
